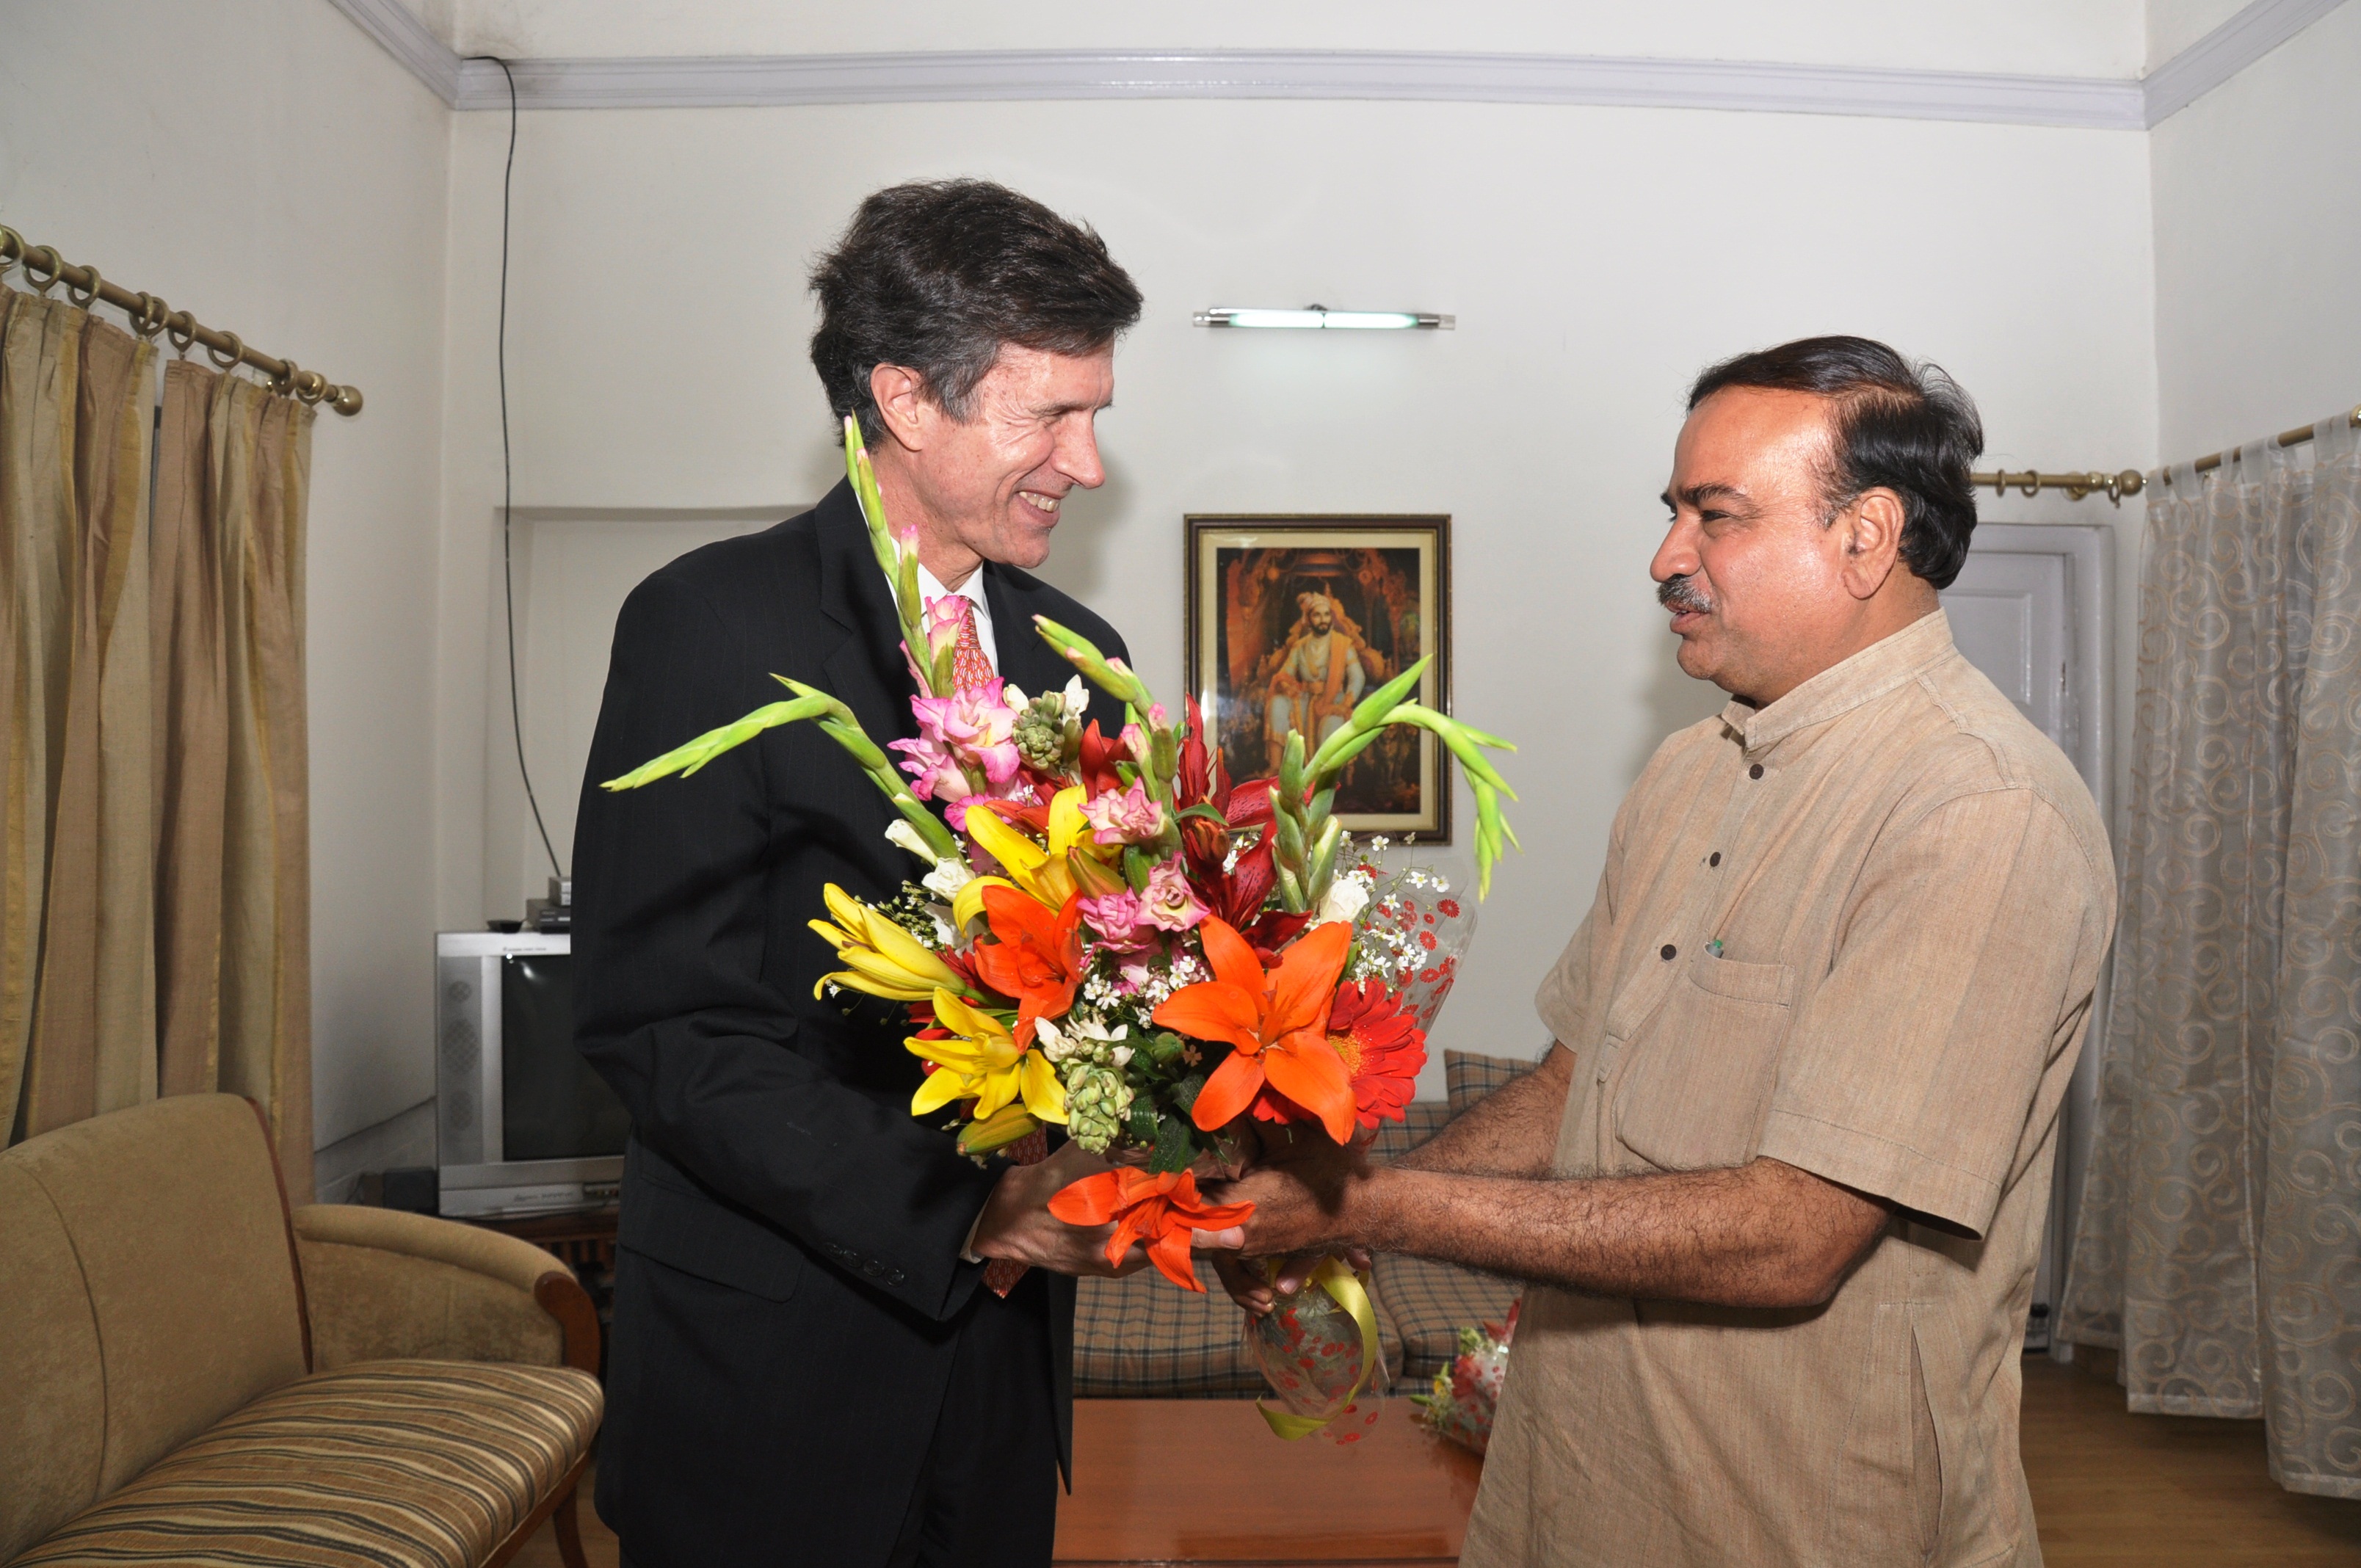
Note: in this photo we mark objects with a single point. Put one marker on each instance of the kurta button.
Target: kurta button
(1714, 859)
(1755, 772)
(1669, 952)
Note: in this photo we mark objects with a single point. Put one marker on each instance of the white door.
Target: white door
(2030, 610)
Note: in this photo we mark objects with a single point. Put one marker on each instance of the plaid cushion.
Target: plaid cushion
(1144, 1337)
(1469, 1077)
(1429, 1302)
(1421, 1119)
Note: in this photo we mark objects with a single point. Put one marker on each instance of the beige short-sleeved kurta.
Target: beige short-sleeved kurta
(1857, 930)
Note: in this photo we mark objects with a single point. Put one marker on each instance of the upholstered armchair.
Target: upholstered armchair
(189, 1373)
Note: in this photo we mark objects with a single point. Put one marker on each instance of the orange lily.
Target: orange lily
(1157, 1208)
(1277, 1020)
(1037, 959)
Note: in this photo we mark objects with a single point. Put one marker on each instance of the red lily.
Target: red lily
(1097, 762)
(1158, 1208)
(1037, 957)
(1277, 1022)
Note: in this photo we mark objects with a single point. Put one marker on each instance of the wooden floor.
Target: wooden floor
(2110, 1489)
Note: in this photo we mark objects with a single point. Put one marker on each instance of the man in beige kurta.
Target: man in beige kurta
(1812, 1039)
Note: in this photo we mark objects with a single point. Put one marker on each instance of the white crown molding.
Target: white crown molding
(410, 40)
(982, 75)
(657, 82)
(2228, 50)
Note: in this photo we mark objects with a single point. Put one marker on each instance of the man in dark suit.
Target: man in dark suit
(807, 1366)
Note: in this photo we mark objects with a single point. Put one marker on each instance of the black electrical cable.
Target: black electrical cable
(507, 477)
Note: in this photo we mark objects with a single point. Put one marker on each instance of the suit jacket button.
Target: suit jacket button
(893, 1277)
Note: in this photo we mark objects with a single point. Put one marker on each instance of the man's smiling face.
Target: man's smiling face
(990, 487)
(1750, 567)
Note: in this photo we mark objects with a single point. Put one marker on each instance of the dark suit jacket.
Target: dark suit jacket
(773, 1153)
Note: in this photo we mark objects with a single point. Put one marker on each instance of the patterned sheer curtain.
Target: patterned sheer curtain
(155, 871)
(2219, 1244)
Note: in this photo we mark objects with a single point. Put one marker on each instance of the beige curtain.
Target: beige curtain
(155, 878)
(2219, 1244)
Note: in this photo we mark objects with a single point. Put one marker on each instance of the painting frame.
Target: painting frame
(1239, 571)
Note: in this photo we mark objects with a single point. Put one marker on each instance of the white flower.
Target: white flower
(900, 832)
(1076, 698)
(948, 877)
(1123, 1055)
(1347, 896)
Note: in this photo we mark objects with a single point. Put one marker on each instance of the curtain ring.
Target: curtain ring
(284, 383)
(12, 248)
(236, 352)
(2031, 485)
(149, 319)
(54, 264)
(310, 387)
(89, 296)
(181, 328)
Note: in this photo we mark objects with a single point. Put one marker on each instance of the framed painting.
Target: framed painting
(1292, 619)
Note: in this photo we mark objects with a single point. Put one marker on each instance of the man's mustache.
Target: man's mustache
(1682, 593)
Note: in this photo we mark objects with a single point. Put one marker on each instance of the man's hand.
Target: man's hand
(1303, 1188)
(1017, 1223)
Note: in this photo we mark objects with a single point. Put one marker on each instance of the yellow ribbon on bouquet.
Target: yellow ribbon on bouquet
(1348, 1292)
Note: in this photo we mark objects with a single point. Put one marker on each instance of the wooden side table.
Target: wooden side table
(1203, 1481)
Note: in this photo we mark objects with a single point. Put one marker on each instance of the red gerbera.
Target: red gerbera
(1382, 1049)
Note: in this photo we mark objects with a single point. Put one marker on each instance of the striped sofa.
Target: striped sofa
(1139, 1338)
(191, 1374)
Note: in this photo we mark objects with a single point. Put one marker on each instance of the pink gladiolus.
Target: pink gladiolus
(1170, 903)
(945, 616)
(963, 739)
(1135, 741)
(1128, 818)
(1122, 922)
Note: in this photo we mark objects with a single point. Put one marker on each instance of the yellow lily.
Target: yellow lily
(881, 959)
(1044, 873)
(1003, 1127)
(982, 1061)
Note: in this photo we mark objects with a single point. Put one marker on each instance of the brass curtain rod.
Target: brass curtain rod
(2130, 482)
(150, 316)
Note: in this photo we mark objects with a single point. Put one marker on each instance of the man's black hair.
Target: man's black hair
(1895, 423)
(937, 275)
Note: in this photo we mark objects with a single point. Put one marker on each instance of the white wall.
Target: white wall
(1595, 258)
(265, 166)
(2259, 245)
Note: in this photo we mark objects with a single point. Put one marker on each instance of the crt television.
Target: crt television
(523, 1126)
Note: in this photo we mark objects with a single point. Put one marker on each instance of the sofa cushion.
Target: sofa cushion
(1467, 1076)
(52, 1383)
(1429, 1302)
(1421, 1119)
(387, 1464)
(1143, 1337)
(181, 1237)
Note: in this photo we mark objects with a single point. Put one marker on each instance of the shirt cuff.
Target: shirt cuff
(967, 1246)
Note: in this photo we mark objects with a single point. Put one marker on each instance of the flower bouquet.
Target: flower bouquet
(1112, 935)
(1459, 1405)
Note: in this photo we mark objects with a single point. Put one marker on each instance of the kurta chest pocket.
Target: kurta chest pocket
(1697, 1080)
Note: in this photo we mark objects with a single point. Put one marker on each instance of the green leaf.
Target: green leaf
(1135, 867)
(1185, 1092)
(1176, 1146)
(1141, 1125)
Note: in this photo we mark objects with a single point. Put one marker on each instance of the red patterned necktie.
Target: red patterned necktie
(970, 668)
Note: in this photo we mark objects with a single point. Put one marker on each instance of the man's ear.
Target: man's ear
(904, 404)
(1873, 540)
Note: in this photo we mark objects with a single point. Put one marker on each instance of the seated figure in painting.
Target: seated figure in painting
(1319, 675)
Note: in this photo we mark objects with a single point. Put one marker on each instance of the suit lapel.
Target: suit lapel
(1024, 659)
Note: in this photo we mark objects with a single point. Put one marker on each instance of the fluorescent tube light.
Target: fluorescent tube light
(1319, 317)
